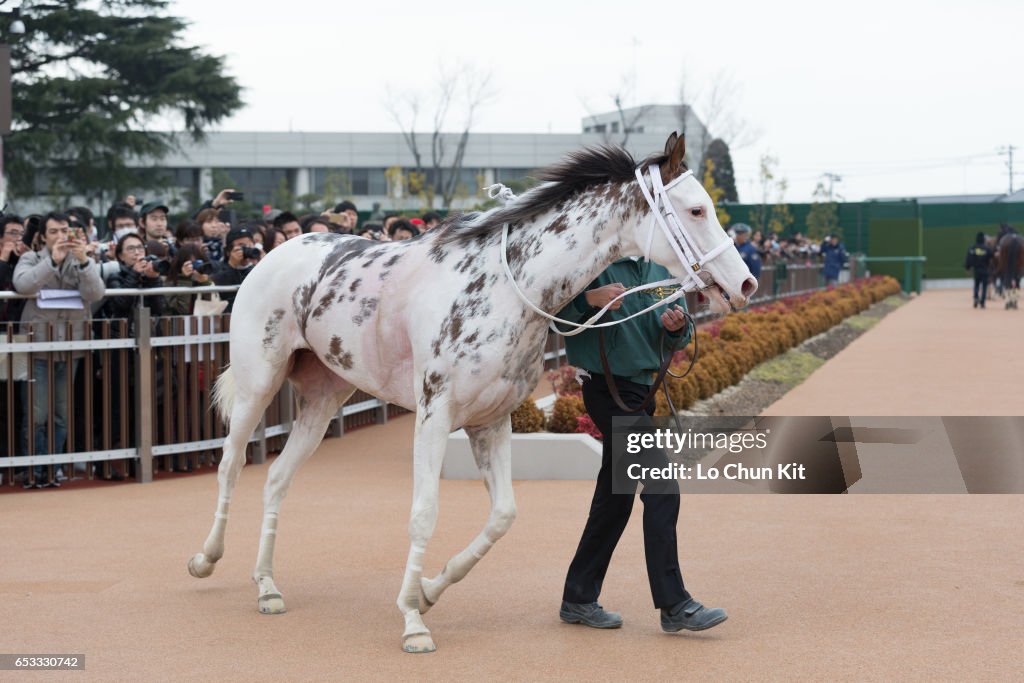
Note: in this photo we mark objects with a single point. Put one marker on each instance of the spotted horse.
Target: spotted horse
(450, 325)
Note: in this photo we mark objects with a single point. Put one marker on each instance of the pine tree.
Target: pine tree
(91, 79)
(718, 152)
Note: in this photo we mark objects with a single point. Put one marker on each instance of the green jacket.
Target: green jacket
(632, 346)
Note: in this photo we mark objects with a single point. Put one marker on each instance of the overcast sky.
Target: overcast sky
(899, 97)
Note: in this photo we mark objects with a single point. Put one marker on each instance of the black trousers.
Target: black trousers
(980, 287)
(609, 513)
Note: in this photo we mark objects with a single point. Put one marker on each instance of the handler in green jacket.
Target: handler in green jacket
(633, 355)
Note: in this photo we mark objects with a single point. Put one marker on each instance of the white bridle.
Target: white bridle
(664, 214)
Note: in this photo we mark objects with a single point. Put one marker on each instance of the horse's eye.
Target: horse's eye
(697, 213)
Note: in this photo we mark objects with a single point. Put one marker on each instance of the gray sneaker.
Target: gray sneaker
(589, 614)
(692, 616)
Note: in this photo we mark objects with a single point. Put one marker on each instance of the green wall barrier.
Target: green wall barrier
(887, 229)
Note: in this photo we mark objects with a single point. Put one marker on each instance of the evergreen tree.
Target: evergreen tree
(91, 79)
(718, 153)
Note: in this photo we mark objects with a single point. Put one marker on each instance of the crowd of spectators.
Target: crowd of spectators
(759, 251)
(69, 260)
(795, 249)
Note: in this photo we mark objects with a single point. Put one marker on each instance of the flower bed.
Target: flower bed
(729, 349)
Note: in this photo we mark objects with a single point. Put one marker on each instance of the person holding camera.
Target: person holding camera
(190, 270)
(241, 256)
(136, 271)
(12, 246)
(60, 264)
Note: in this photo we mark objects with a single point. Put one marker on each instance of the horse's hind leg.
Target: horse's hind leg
(256, 387)
(492, 450)
(320, 393)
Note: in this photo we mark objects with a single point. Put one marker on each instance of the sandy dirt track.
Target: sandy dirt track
(838, 588)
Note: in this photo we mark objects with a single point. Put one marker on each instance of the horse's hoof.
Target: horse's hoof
(199, 567)
(271, 603)
(418, 643)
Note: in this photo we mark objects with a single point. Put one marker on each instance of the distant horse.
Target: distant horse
(1008, 265)
(435, 324)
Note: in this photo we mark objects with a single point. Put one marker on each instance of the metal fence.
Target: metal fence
(137, 396)
(138, 392)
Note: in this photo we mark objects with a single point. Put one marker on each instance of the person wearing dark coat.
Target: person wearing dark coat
(979, 257)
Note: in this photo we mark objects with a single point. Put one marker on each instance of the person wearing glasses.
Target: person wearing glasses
(62, 263)
(135, 272)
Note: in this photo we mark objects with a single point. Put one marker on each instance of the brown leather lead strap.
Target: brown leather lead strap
(659, 378)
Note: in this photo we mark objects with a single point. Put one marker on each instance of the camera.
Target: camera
(251, 252)
(236, 196)
(160, 266)
(202, 267)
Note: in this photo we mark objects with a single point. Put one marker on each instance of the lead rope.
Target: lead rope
(500, 191)
(505, 194)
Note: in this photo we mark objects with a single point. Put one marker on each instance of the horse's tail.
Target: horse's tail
(224, 394)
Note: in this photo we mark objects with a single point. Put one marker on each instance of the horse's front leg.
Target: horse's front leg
(432, 428)
(492, 450)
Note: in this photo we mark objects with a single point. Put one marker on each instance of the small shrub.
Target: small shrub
(585, 425)
(528, 417)
(564, 414)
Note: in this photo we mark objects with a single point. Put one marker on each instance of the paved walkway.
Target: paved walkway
(841, 588)
(933, 356)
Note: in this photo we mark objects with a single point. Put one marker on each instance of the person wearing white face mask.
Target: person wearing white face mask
(121, 221)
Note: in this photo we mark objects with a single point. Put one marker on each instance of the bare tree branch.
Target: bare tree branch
(718, 109)
(460, 88)
(404, 110)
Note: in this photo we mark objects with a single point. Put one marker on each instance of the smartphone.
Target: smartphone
(236, 196)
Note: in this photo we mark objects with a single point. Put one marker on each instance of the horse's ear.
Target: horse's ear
(675, 150)
(676, 160)
(670, 144)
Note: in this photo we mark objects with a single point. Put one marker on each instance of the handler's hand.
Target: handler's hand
(599, 298)
(673, 319)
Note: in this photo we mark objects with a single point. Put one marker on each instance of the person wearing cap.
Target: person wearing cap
(751, 256)
(241, 256)
(153, 223)
(833, 254)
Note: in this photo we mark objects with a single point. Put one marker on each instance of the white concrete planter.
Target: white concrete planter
(541, 455)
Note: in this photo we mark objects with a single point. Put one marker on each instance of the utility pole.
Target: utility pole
(833, 178)
(1008, 151)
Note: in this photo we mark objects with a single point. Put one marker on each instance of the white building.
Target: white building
(357, 164)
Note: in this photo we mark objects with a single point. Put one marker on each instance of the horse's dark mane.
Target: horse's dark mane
(579, 171)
